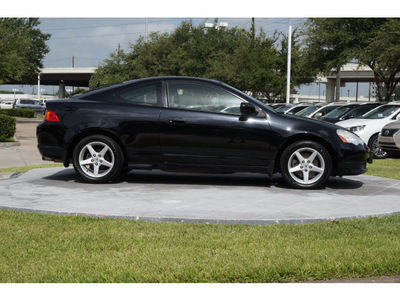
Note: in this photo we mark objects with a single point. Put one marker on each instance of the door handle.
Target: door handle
(176, 121)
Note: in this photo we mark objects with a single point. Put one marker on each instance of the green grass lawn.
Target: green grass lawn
(50, 248)
(389, 168)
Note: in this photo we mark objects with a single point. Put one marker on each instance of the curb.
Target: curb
(9, 175)
(10, 144)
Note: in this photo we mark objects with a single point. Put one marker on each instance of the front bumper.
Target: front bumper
(354, 161)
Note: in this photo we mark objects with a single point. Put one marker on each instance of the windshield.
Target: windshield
(381, 112)
(284, 108)
(307, 111)
(338, 112)
(295, 110)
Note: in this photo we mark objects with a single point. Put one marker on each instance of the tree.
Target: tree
(22, 49)
(236, 56)
(382, 55)
(111, 71)
(375, 42)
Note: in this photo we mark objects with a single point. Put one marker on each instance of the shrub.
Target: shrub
(18, 112)
(7, 127)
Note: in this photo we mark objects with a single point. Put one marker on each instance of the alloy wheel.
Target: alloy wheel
(96, 159)
(306, 166)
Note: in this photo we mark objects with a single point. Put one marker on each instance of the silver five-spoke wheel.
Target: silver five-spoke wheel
(305, 164)
(98, 158)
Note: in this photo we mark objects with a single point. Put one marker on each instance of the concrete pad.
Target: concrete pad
(202, 198)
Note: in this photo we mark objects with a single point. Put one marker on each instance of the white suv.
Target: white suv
(368, 126)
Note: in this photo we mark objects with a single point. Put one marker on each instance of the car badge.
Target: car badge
(386, 132)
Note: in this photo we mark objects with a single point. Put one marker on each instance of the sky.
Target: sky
(91, 34)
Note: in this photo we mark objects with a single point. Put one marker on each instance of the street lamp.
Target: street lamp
(15, 90)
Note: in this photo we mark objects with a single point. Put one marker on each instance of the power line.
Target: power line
(90, 36)
(103, 26)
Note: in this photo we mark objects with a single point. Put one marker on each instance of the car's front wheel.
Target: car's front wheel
(97, 159)
(373, 144)
(305, 164)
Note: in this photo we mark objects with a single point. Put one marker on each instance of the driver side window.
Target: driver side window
(202, 97)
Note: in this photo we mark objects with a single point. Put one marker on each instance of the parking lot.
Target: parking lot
(157, 196)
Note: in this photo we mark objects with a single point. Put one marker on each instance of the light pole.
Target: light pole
(42, 92)
(15, 90)
(289, 61)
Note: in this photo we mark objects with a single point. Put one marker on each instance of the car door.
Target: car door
(203, 126)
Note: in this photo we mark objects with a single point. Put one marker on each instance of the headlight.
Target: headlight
(357, 128)
(348, 137)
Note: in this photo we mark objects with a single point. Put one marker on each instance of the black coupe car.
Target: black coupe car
(191, 124)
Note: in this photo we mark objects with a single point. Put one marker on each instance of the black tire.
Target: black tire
(97, 159)
(373, 145)
(305, 165)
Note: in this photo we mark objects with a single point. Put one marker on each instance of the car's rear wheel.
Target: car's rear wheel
(97, 159)
(305, 164)
(379, 153)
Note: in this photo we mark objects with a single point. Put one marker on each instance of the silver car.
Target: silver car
(389, 138)
(36, 105)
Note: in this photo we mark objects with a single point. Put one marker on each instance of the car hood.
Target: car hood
(393, 125)
(359, 122)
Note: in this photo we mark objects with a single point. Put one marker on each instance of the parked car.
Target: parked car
(322, 111)
(36, 105)
(282, 109)
(276, 105)
(389, 138)
(171, 123)
(297, 108)
(350, 111)
(6, 104)
(368, 126)
(292, 108)
(307, 111)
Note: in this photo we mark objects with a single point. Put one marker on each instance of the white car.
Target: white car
(6, 104)
(368, 126)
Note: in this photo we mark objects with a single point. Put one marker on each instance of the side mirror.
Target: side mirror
(318, 116)
(398, 117)
(247, 109)
(351, 116)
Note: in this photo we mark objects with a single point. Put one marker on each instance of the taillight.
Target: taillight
(51, 116)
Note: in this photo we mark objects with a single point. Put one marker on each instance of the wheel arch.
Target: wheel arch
(371, 137)
(93, 131)
(307, 137)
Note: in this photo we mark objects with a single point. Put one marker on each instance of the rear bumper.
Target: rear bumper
(52, 153)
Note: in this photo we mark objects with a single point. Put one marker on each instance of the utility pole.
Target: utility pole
(289, 61)
(73, 65)
(337, 84)
(147, 30)
(253, 39)
(253, 29)
(38, 90)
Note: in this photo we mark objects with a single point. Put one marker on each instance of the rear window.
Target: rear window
(147, 94)
(27, 101)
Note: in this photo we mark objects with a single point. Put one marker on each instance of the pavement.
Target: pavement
(158, 196)
(24, 151)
